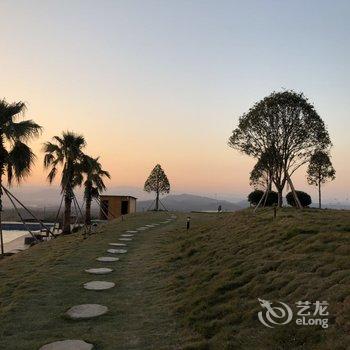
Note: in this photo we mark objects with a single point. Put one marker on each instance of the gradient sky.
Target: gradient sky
(164, 82)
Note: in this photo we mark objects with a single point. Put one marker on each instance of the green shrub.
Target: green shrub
(255, 196)
(304, 198)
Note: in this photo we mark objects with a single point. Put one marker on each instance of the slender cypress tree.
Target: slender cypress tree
(157, 182)
(319, 171)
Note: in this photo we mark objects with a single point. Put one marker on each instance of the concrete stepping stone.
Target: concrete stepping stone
(68, 344)
(117, 244)
(117, 251)
(131, 231)
(125, 239)
(150, 225)
(127, 235)
(86, 311)
(99, 271)
(142, 228)
(98, 285)
(107, 259)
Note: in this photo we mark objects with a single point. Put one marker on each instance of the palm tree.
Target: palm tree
(67, 152)
(94, 174)
(16, 157)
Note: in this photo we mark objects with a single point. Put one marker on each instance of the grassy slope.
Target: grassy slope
(195, 290)
(37, 286)
(219, 271)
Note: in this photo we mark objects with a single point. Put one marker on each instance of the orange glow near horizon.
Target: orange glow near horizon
(168, 87)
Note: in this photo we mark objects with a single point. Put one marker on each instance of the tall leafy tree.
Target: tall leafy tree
(16, 157)
(286, 125)
(319, 171)
(65, 151)
(157, 182)
(93, 184)
(262, 173)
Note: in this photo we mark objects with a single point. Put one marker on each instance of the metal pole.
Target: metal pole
(261, 199)
(20, 216)
(296, 198)
(27, 210)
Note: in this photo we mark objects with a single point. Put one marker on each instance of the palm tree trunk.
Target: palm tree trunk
(88, 210)
(1, 193)
(1, 237)
(157, 201)
(67, 210)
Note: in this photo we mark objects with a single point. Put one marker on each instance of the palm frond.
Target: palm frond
(67, 151)
(94, 173)
(20, 160)
(23, 130)
(95, 193)
(8, 111)
(52, 174)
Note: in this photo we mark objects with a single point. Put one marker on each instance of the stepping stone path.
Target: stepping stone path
(98, 285)
(86, 311)
(99, 271)
(68, 345)
(107, 259)
(117, 251)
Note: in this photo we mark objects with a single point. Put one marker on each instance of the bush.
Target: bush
(255, 196)
(304, 198)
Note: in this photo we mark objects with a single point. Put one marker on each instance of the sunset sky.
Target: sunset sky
(164, 82)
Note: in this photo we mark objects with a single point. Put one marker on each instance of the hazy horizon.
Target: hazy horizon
(40, 196)
(151, 82)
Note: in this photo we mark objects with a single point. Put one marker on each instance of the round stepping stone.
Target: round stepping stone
(117, 244)
(125, 239)
(142, 228)
(107, 259)
(150, 225)
(117, 251)
(131, 231)
(68, 345)
(86, 311)
(99, 271)
(127, 235)
(98, 285)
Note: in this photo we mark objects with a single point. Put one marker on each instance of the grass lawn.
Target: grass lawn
(37, 287)
(185, 290)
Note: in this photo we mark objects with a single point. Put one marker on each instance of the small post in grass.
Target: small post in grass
(274, 212)
(188, 223)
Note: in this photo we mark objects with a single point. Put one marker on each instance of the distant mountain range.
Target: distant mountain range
(189, 202)
(48, 197)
